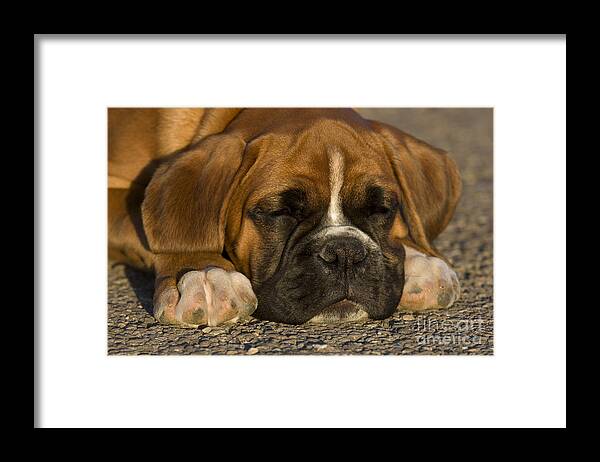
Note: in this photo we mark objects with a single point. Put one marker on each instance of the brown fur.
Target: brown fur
(430, 184)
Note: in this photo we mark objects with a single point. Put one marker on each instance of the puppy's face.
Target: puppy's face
(316, 223)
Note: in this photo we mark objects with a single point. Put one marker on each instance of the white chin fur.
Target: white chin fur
(342, 311)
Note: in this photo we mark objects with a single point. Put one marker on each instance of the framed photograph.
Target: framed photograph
(311, 221)
(300, 231)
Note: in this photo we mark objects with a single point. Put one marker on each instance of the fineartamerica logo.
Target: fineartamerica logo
(466, 332)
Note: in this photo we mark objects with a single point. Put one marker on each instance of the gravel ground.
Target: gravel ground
(464, 329)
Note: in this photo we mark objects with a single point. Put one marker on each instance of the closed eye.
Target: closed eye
(284, 211)
(378, 210)
(379, 202)
(289, 203)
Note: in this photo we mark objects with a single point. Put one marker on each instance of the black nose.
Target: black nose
(343, 251)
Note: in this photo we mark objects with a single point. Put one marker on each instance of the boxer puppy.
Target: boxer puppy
(289, 215)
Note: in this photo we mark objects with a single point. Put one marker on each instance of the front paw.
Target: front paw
(211, 297)
(429, 283)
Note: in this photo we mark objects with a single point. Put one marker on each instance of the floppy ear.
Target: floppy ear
(430, 183)
(186, 201)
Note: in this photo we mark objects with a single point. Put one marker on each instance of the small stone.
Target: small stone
(320, 346)
(206, 330)
(252, 351)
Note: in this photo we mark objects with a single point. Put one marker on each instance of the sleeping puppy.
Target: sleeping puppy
(289, 215)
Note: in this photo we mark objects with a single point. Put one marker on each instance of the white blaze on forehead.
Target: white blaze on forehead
(335, 215)
(334, 222)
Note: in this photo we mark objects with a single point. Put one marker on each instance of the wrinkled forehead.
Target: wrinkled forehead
(315, 158)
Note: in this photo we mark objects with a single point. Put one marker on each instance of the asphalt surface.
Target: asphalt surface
(464, 329)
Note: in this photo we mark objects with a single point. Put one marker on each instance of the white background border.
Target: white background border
(523, 384)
